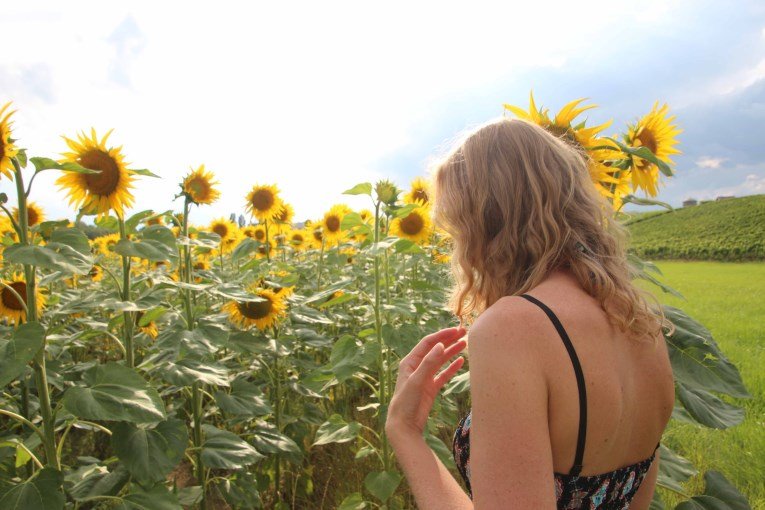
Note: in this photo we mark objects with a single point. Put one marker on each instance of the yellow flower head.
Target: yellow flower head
(286, 215)
(199, 186)
(298, 239)
(224, 228)
(656, 132)
(7, 148)
(35, 214)
(263, 202)
(11, 308)
(105, 244)
(262, 314)
(420, 192)
(97, 193)
(331, 224)
(415, 226)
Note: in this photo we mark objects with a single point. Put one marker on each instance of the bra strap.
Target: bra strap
(579, 457)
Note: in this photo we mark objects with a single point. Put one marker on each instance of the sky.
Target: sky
(318, 96)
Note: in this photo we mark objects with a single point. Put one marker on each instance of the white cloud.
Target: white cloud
(308, 95)
(707, 162)
(753, 184)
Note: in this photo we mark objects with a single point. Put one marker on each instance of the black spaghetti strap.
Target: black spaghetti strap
(581, 439)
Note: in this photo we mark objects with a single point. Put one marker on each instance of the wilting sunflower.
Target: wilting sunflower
(420, 192)
(199, 188)
(263, 202)
(262, 314)
(7, 149)
(97, 193)
(655, 131)
(331, 224)
(415, 226)
(35, 214)
(10, 306)
(224, 228)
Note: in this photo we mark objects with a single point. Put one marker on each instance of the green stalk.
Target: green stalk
(127, 326)
(378, 332)
(321, 259)
(196, 393)
(278, 413)
(41, 376)
(268, 245)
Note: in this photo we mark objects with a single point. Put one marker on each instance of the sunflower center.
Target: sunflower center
(333, 223)
(198, 188)
(260, 235)
(106, 181)
(10, 300)
(648, 140)
(263, 248)
(262, 200)
(297, 239)
(255, 309)
(220, 229)
(412, 224)
(33, 218)
(283, 215)
(317, 235)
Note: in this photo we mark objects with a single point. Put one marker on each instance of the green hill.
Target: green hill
(732, 229)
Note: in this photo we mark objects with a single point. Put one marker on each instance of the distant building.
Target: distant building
(724, 197)
(690, 202)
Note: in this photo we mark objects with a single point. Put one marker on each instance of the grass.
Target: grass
(729, 230)
(729, 299)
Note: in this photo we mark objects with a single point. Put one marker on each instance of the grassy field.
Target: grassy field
(729, 299)
(729, 230)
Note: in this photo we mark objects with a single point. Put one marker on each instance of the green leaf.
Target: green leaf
(336, 430)
(151, 315)
(646, 154)
(131, 224)
(407, 246)
(382, 484)
(100, 482)
(269, 441)
(54, 256)
(353, 502)
(328, 291)
(719, 494)
(225, 450)
(673, 470)
(707, 409)
(19, 350)
(152, 250)
(346, 358)
(41, 492)
(364, 188)
(188, 371)
(404, 210)
(117, 393)
(245, 400)
(150, 454)
(245, 249)
(144, 172)
(350, 220)
(158, 498)
(42, 164)
(72, 237)
(697, 361)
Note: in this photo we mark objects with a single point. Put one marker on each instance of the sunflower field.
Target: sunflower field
(164, 364)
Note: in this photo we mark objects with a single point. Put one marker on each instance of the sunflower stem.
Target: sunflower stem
(196, 403)
(268, 245)
(127, 326)
(277, 413)
(41, 376)
(321, 260)
(378, 332)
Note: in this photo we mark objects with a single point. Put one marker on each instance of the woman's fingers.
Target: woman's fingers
(445, 336)
(435, 358)
(448, 372)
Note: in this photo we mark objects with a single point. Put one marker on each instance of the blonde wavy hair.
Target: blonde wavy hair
(519, 203)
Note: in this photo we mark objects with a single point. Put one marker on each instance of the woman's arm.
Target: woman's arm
(432, 484)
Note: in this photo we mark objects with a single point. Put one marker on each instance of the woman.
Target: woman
(571, 384)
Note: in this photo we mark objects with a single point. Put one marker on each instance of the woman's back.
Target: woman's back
(609, 397)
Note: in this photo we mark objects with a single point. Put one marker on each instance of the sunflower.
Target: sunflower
(198, 186)
(655, 131)
(10, 306)
(155, 220)
(298, 239)
(228, 244)
(317, 236)
(35, 214)
(420, 192)
(224, 228)
(262, 314)
(149, 329)
(7, 148)
(97, 193)
(331, 224)
(263, 202)
(265, 249)
(96, 273)
(415, 226)
(105, 244)
(201, 264)
(366, 216)
(284, 218)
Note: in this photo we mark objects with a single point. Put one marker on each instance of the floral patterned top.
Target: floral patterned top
(608, 491)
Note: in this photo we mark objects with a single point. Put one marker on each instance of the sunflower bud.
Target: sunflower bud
(386, 191)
